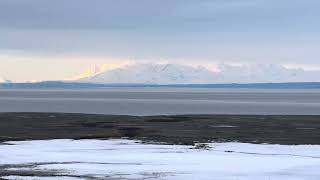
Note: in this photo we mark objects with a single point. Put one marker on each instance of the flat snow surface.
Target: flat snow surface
(128, 159)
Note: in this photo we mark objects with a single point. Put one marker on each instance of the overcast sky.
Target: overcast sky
(66, 36)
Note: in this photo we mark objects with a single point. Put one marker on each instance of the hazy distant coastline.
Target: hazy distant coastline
(77, 85)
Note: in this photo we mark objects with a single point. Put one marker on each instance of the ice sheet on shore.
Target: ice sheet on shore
(130, 159)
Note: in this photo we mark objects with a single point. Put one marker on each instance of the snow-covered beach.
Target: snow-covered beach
(130, 159)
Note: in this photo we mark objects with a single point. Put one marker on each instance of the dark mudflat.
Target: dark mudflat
(182, 129)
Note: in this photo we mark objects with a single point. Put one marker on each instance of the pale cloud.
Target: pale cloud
(24, 67)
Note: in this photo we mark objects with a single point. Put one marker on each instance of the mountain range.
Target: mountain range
(175, 74)
(184, 74)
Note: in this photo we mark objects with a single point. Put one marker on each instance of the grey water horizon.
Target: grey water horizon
(163, 101)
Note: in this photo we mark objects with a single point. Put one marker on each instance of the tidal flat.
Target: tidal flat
(175, 129)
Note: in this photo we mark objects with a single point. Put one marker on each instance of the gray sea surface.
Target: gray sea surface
(163, 101)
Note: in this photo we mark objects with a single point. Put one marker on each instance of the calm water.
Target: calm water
(152, 101)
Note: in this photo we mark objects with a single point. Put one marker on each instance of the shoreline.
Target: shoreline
(203, 138)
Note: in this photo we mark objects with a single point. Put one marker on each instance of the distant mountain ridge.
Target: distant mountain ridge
(177, 74)
(183, 74)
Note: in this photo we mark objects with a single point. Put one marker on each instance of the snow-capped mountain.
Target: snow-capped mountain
(262, 73)
(92, 71)
(154, 74)
(183, 74)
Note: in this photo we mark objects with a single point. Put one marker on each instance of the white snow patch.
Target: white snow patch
(132, 160)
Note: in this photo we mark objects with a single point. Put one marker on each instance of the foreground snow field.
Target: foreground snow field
(128, 159)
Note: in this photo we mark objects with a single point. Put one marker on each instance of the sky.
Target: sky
(49, 40)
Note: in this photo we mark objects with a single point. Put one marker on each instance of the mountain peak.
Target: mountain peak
(153, 74)
(149, 73)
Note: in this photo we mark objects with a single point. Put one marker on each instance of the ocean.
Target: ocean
(163, 101)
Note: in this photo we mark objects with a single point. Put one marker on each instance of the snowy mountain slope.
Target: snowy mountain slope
(261, 73)
(154, 74)
(183, 74)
